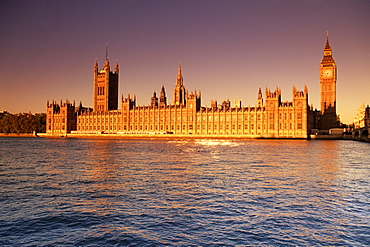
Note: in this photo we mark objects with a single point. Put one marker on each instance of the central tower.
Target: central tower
(328, 81)
(179, 92)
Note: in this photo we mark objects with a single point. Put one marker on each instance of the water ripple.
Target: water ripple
(100, 192)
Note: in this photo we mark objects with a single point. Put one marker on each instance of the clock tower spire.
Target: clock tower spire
(328, 81)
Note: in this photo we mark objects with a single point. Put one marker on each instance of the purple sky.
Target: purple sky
(227, 49)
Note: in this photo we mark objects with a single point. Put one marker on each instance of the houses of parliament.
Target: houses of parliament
(185, 116)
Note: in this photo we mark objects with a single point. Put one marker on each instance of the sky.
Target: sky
(227, 49)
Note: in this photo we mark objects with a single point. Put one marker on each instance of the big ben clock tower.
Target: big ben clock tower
(328, 81)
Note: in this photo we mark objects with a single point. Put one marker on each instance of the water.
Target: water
(118, 192)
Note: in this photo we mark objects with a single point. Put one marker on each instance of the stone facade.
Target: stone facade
(186, 116)
(61, 118)
(269, 118)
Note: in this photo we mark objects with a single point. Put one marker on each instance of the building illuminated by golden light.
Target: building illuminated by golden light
(269, 118)
(362, 117)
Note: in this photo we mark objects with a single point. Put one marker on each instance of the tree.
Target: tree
(22, 123)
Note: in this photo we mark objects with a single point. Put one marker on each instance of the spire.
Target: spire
(327, 51)
(259, 93)
(305, 89)
(179, 75)
(116, 69)
(163, 98)
(96, 64)
(179, 91)
(179, 69)
(327, 46)
(260, 98)
(106, 52)
(106, 65)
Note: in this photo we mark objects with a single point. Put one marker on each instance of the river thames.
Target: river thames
(183, 192)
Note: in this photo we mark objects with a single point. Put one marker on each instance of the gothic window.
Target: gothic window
(100, 90)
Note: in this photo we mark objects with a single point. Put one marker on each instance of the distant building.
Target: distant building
(362, 117)
(269, 118)
(61, 118)
(2, 113)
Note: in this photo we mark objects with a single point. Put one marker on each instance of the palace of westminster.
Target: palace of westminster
(269, 118)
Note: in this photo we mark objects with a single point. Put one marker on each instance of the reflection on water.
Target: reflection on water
(183, 192)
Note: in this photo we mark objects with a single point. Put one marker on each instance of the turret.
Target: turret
(193, 101)
(96, 68)
(154, 100)
(259, 98)
(116, 68)
(163, 98)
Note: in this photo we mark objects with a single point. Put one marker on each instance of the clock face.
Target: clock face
(328, 73)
